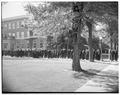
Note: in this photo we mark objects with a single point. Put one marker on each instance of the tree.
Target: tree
(113, 32)
(58, 16)
(58, 19)
(95, 11)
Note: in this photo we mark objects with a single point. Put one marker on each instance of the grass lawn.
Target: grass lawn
(45, 75)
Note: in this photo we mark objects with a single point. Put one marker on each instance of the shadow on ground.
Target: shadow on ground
(107, 79)
(6, 87)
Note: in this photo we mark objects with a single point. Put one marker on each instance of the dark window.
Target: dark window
(5, 36)
(41, 45)
(34, 45)
(28, 45)
(17, 46)
(5, 45)
(22, 45)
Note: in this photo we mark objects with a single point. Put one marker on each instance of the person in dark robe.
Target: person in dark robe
(83, 54)
(94, 54)
(98, 54)
(87, 54)
(116, 55)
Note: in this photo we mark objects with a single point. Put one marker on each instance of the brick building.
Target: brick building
(16, 37)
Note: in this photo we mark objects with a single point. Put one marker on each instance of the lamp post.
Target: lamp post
(101, 47)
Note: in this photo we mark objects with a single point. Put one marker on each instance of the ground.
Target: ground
(49, 75)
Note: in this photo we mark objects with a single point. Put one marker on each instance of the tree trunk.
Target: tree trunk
(76, 52)
(90, 41)
(76, 59)
(77, 8)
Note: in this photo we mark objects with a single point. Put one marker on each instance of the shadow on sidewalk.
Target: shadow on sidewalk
(107, 79)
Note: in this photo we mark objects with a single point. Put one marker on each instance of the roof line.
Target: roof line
(15, 17)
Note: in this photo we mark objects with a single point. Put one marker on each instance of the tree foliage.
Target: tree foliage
(60, 17)
(50, 19)
(53, 17)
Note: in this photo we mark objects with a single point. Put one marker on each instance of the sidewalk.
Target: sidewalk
(105, 81)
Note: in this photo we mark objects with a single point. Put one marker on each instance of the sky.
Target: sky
(14, 8)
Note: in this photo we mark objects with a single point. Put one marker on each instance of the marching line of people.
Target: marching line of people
(84, 54)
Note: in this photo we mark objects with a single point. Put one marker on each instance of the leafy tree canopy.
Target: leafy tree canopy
(58, 17)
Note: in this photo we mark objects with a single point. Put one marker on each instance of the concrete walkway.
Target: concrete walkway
(101, 83)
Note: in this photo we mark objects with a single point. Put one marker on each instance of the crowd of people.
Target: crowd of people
(84, 54)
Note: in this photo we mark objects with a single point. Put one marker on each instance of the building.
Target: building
(17, 37)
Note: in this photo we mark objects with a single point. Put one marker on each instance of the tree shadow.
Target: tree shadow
(107, 79)
(86, 74)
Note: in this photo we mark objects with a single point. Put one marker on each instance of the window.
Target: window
(31, 33)
(5, 36)
(34, 45)
(34, 41)
(9, 34)
(5, 45)
(27, 44)
(18, 24)
(28, 34)
(9, 25)
(22, 23)
(17, 34)
(22, 45)
(22, 34)
(5, 25)
(13, 25)
(41, 45)
(13, 34)
(17, 46)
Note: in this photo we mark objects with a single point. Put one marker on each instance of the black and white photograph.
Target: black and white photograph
(59, 47)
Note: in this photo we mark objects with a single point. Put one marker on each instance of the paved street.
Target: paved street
(48, 75)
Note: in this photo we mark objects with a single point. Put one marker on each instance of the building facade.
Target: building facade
(17, 37)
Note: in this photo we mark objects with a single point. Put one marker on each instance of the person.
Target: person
(83, 54)
(116, 55)
(64, 53)
(80, 54)
(112, 55)
(40, 54)
(68, 53)
(11, 53)
(60, 56)
(98, 54)
(87, 54)
(45, 53)
(71, 53)
(94, 54)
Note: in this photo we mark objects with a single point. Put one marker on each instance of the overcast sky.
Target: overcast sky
(14, 8)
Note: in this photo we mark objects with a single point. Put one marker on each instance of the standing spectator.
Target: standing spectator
(87, 54)
(98, 54)
(94, 54)
(116, 55)
(83, 54)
